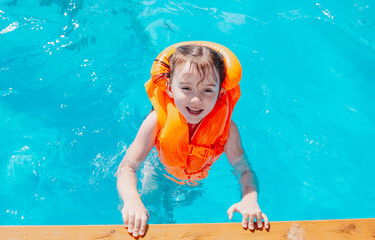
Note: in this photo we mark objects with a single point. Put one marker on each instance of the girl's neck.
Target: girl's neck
(192, 130)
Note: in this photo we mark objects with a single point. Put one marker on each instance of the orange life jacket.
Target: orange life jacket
(183, 159)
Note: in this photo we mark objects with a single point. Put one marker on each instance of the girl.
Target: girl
(194, 87)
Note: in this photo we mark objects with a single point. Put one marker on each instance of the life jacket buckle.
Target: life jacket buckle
(199, 151)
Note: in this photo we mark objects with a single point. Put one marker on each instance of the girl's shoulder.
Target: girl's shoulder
(151, 122)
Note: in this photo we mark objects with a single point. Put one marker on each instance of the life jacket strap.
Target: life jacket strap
(199, 151)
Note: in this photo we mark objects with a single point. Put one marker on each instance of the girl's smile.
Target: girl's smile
(194, 112)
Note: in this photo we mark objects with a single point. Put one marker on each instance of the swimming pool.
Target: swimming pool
(72, 99)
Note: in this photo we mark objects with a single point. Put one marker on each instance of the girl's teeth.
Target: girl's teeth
(194, 110)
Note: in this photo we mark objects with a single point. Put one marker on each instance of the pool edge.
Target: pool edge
(360, 229)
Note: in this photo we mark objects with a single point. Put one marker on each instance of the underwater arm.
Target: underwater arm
(134, 213)
(248, 206)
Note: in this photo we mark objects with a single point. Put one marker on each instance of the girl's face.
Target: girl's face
(193, 97)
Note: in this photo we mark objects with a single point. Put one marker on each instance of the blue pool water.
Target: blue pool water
(72, 99)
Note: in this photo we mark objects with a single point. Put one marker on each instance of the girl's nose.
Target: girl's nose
(195, 99)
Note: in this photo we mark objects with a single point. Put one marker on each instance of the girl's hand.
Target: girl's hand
(135, 217)
(249, 210)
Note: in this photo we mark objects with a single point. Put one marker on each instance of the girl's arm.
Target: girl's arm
(248, 206)
(134, 213)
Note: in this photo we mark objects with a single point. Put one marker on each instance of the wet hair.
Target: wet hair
(202, 59)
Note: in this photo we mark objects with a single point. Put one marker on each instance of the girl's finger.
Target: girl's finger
(259, 219)
(251, 221)
(266, 222)
(142, 230)
(245, 220)
(231, 210)
(137, 224)
(131, 221)
(125, 217)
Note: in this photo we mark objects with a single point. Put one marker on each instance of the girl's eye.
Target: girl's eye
(208, 90)
(186, 88)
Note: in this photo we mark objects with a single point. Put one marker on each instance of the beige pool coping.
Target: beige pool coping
(361, 229)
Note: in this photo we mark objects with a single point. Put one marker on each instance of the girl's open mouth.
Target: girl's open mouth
(194, 112)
